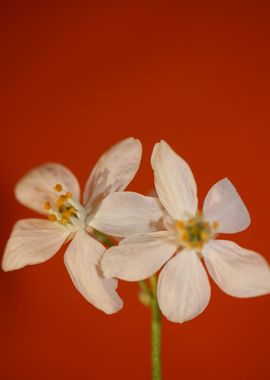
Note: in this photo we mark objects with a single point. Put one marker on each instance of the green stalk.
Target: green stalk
(104, 239)
(150, 299)
(156, 333)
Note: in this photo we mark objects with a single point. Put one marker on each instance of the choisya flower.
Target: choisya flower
(53, 190)
(189, 236)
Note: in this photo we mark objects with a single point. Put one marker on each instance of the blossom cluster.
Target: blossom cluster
(166, 232)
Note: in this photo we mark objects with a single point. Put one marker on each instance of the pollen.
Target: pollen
(61, 200)
(185, 236)
(52, 218)
(215, 225)
(199, 245)
(64, 220)
(67, 213)
(47, 205)
(204, 236)
(180, 224)
(58, 187)
(68, 195)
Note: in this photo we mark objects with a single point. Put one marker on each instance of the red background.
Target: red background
(77, 77)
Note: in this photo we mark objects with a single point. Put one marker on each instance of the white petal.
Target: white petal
(183, 287)
(237, 271)
(113, 172)
(126, 213)
(32, 241)
(224, 205)
(138, 257)
(36, 186)
(174, 182)
(82, 260)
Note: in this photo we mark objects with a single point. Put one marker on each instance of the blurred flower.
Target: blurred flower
(53, 190)
(189, 235)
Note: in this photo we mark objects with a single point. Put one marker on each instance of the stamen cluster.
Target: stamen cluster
(64, 210)
(195, 232)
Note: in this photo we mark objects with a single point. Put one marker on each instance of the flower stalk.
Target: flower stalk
(156, 333)
(148, 297)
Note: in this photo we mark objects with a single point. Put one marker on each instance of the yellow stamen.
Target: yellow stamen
(184, 236)
(204, 236)
(180, 224)
(67, 213)
(64, 220)
(199, 244)
(47, 206)
(61, 210)
(52, 218)
(61, 200)
(192, 221)
(215, 225)
(58, 187)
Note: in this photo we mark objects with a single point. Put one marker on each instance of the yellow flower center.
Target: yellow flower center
(195, 232)
(64, 209)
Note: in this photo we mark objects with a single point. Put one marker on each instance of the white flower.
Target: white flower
(53, 190)
(183, 285)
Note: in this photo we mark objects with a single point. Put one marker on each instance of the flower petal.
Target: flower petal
(32, 241)
(174, 182)
(224, 205)
(113, 172)
(183, 287)
(36, 186)
(82, 260)
(126, 213)
(138, 257)
(237, 271)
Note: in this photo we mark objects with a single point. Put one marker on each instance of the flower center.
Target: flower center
(195, 232)
(65, 210)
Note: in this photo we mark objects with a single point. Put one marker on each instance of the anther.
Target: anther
(215, 225)
(204, 236)
(58, 187)
(68, 195)
(185, 236)
(61, 200)
(66, 214)
(180, 225)
(52, 218)
(47, 205)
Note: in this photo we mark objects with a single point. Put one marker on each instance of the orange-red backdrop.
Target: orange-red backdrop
(77, 77)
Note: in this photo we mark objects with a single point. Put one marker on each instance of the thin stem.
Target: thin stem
(144, 287)
(150, 299)
(153, 284)
(156, 333)
(104, 239)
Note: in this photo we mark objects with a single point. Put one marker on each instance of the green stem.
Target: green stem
(156, 333)
(151, 293)
(144, 287)
(104, 239)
